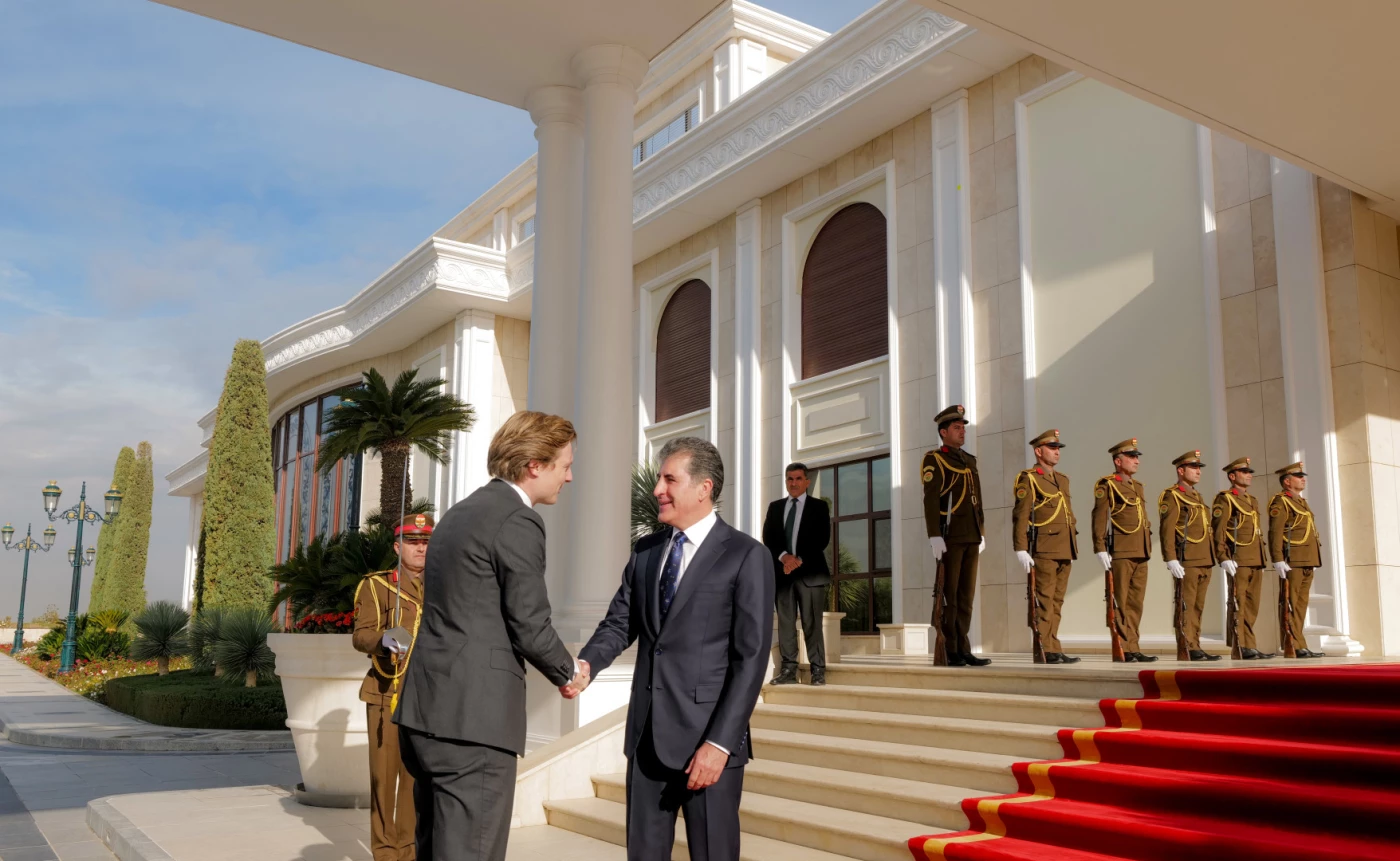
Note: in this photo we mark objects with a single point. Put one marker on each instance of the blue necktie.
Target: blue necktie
(671, 574)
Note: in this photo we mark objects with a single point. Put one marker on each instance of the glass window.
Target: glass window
(325, 503)
(285, 525)
(308, 428)
(880, 484)
(852, 481)
(328, 403)
(863, 546)
(853, 537)
(307, 484)
(527, 229)
(310, 504)
(667, 135)
(293, 433)
(349, 496)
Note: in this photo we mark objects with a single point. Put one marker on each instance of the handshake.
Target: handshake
(578, 683)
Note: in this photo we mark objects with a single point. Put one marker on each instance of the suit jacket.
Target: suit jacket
(699, 671)
(485, 612)
(813, 538)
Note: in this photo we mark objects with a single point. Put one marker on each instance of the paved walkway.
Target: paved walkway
(38, 711)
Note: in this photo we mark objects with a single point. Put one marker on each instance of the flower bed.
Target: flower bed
(325, 623)
(89, 678)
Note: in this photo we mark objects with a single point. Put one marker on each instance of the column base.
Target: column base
(906, 639)
(1339, 646)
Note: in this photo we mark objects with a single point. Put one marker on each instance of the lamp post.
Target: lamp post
(7, 533)
(79, 514)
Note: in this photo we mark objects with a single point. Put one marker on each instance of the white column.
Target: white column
(192, 550)
(500, 230)
(474, 378)
(748, 370)
(952, 256)
(604, 385)
(1307, 385)
(738, 67)
(558, 116)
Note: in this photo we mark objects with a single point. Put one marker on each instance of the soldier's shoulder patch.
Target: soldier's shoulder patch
(1021, 492)
(928, 474)
(1218, 511)
(1162, 509)
(1099, 491)
(1275, 511)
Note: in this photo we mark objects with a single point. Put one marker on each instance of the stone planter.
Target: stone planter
(321, 676)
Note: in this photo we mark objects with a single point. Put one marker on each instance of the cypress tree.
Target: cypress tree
(98, 598)
(126, 579)
(240, 508)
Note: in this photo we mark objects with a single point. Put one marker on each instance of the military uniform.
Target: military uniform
(1122, 530)
(953, 512)
(1238, 537)
(384, 601)
(1293, 539)
(1042, 505)
(1185, 527)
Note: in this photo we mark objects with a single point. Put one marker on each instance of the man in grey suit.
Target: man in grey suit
(696, 598)
(461, 714)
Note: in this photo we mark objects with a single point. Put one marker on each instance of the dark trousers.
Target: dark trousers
(463, 793)
(959, 589)
(795, 598)
(655, 793)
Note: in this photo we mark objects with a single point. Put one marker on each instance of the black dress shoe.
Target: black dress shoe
(1141, 658)
(818, 678)
(1306, 653)
(1198, 655)
(786, 677)
(956, 660)
(1053, 657)
(1067, 659)
(974, 661)
(1250, 654)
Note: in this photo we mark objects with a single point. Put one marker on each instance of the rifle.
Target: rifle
(940, 648)
(1232, 605)
(1033, 600)
(1182, 653)
(1285, 609)
(1115, 640)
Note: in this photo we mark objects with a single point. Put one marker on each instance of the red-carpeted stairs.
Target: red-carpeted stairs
(1234, 765)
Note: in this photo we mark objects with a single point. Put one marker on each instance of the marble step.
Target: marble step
(938, 805)
(986, 773)
(607, 820)
(1053, 680)
(1025, 741)
(1057, 712)
(813, 825)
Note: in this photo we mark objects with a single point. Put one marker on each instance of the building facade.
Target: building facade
(834, 236)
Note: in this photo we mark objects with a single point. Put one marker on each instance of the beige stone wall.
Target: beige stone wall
(512, 371)
(1361, 270)
(685, 88)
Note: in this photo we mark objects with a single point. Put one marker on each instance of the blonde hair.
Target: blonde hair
(525, 438)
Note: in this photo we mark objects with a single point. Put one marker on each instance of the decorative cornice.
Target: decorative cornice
(437, 264)
(908, 41)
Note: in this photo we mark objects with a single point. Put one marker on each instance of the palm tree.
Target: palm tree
(391, 422)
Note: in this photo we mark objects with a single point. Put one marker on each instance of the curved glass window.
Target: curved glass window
(308, 504)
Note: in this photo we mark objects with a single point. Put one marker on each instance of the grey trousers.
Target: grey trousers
(654, 795)
(463, 793)
(794, 598)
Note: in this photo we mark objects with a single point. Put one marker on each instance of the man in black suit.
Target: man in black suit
(797, 531)
(696, 596)
(461, 713)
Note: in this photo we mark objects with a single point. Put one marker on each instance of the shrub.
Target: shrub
(190, 699)
(241, 650)
(161, 635)
(96, 644)
(126, 578)
(51, 644)
(204, 633)
(109, 621)
(100, 595)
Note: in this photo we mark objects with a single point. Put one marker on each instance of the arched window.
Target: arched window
(683, 352)
(844, 292)
(309, 503)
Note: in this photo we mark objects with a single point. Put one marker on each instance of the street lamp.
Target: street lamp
(7, 533)
(79, 514)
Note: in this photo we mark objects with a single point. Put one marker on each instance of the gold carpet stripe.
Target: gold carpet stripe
(1127, 714)
(1166, 685)
(934, 846)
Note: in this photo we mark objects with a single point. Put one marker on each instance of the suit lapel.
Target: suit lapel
(700, 566)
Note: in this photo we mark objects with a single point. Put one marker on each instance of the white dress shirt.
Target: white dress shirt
(800, 502)
(694, 537)
(524, 497)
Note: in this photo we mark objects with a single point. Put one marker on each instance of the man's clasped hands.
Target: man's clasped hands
(578, 683)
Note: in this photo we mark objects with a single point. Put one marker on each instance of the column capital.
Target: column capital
(610, 64)
(555, 105)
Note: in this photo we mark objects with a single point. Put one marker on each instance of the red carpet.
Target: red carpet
(1234, 765)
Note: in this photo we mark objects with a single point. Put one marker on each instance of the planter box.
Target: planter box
(321, 676)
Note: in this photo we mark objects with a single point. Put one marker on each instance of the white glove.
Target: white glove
(1175, 567)
(1026, 561)
(939, 547)
(982, 548)
(1230, 566)
(1105, 560)
(1282, 568)
(392, 645)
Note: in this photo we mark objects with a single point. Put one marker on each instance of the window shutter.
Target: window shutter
(845, 292)
(683, 352)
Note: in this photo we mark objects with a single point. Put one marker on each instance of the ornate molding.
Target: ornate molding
(877, 59)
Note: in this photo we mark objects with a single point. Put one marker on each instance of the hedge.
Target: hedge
(186, 698)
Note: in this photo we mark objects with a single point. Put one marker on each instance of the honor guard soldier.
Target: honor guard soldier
(1188, 550)
(1123, 544)
(386, 622)
(1239, 545)
(953, 515)
(1043, 536)
(1295, 550)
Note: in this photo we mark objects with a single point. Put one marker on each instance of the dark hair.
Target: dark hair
(794, 467)
(705, 461)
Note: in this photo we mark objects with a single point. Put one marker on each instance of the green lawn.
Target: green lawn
(186, 698)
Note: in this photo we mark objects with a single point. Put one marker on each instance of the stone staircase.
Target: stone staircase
(883, 753)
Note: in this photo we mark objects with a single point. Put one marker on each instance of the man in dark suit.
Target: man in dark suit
(696, 595)
(797, 531)
(461, 714)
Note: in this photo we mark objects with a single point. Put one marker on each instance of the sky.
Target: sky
(170, 184)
